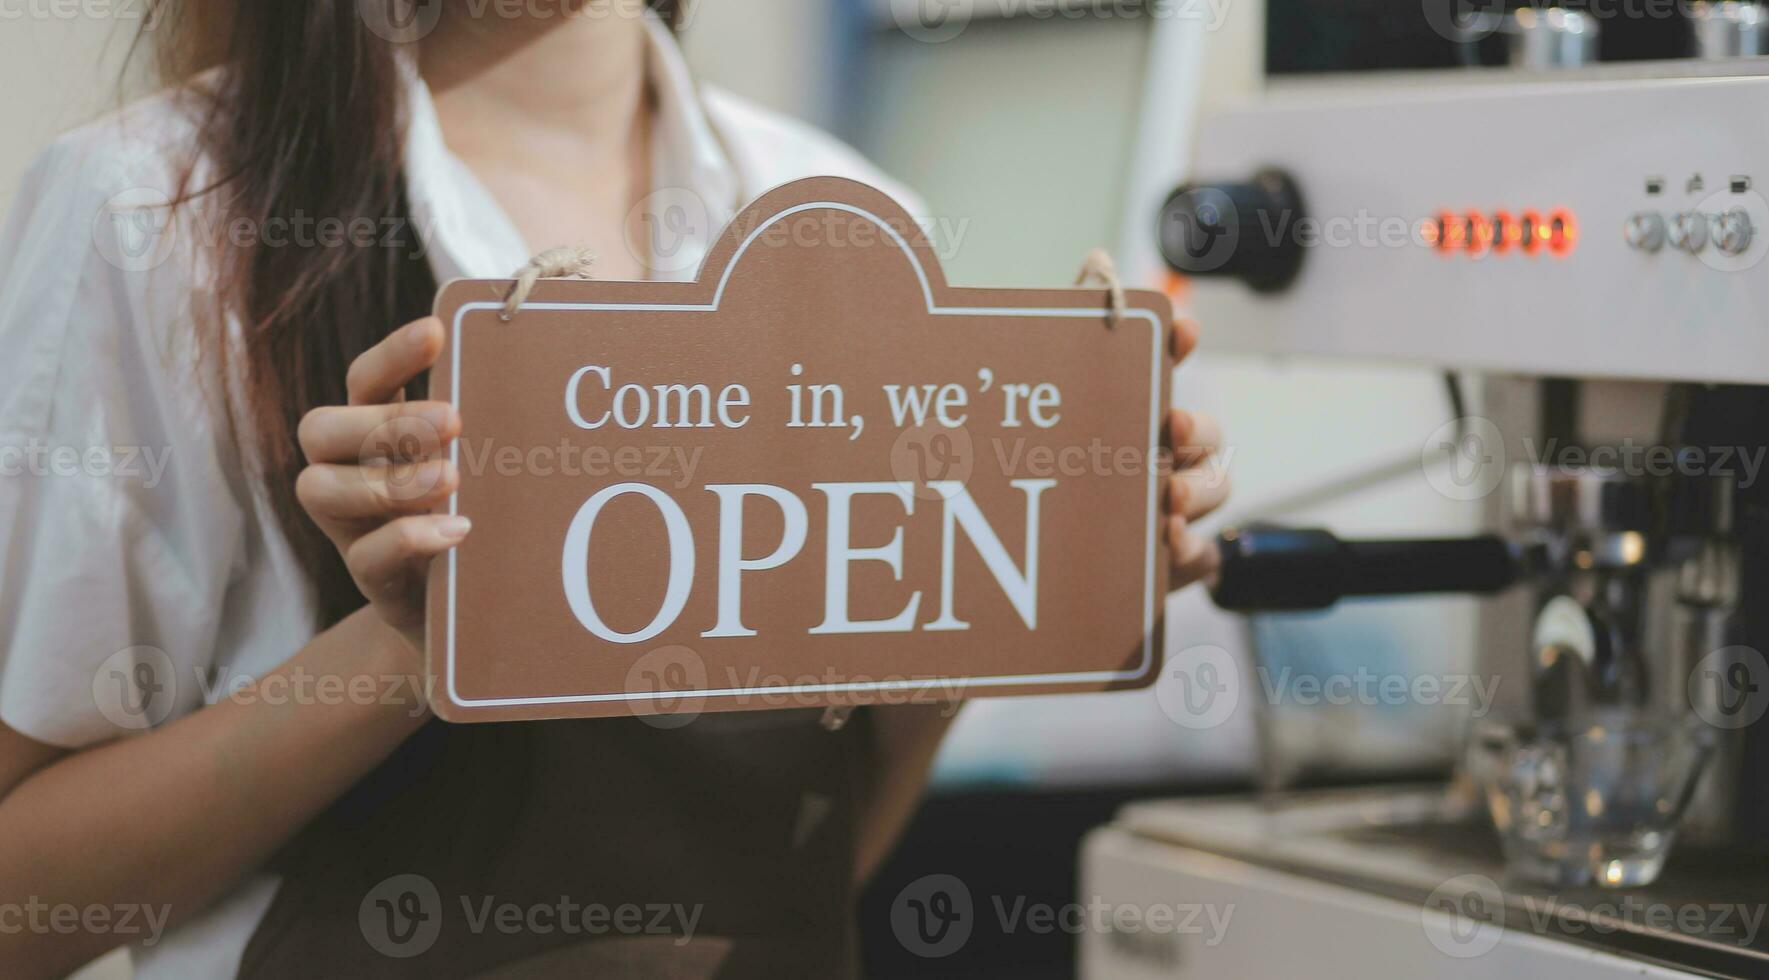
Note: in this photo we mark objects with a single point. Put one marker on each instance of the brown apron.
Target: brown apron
(611, 847)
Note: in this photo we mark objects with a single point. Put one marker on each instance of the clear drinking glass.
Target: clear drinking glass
(1594, 801)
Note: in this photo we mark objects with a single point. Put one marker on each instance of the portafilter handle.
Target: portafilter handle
(1272, 569)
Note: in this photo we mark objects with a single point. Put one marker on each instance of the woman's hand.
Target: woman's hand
(377, 467)
(1198, 484)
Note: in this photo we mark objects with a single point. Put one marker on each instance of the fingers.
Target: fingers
(381, 372)
(1194, 556)
(382, 560)
(397, 431)
(373, 473)
(1196, 492)
(1182, 339)
(340, 495)
(1192, 437)
(1192, 491)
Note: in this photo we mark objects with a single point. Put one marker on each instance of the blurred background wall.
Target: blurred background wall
(56, 72)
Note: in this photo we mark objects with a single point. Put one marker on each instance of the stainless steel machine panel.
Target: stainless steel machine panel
(1639, 166)
(1283, 925)
(1304, 889)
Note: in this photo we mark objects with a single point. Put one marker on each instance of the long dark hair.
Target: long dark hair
(301, 123)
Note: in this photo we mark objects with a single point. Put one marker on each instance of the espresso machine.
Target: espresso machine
(1581, 251)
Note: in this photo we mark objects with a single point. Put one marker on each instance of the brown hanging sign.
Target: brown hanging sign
(817, 475)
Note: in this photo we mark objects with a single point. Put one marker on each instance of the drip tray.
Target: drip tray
(1705, 914)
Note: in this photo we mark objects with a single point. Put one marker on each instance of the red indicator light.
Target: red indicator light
(1480, 233)
(1475, 233)
(1507, 232)
(1455, 232)
(1563, 232)
(1532, 232)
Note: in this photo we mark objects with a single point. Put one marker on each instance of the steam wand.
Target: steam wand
(1269, 569)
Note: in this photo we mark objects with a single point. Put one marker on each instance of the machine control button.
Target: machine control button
(1239, 229)
(1645, 230)
(1732, 231)
(1689, 231)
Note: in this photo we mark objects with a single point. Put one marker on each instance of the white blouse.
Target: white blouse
(142, 573)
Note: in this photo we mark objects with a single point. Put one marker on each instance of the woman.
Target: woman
(225, 367)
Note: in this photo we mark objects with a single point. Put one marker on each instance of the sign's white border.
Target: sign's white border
(1081, 677)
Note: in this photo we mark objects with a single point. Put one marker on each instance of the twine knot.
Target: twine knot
(1099, 267)
(564, 262)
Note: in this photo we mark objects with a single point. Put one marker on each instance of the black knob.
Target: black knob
(1247, 230)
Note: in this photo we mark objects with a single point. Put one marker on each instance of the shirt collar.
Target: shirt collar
(467, 234)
